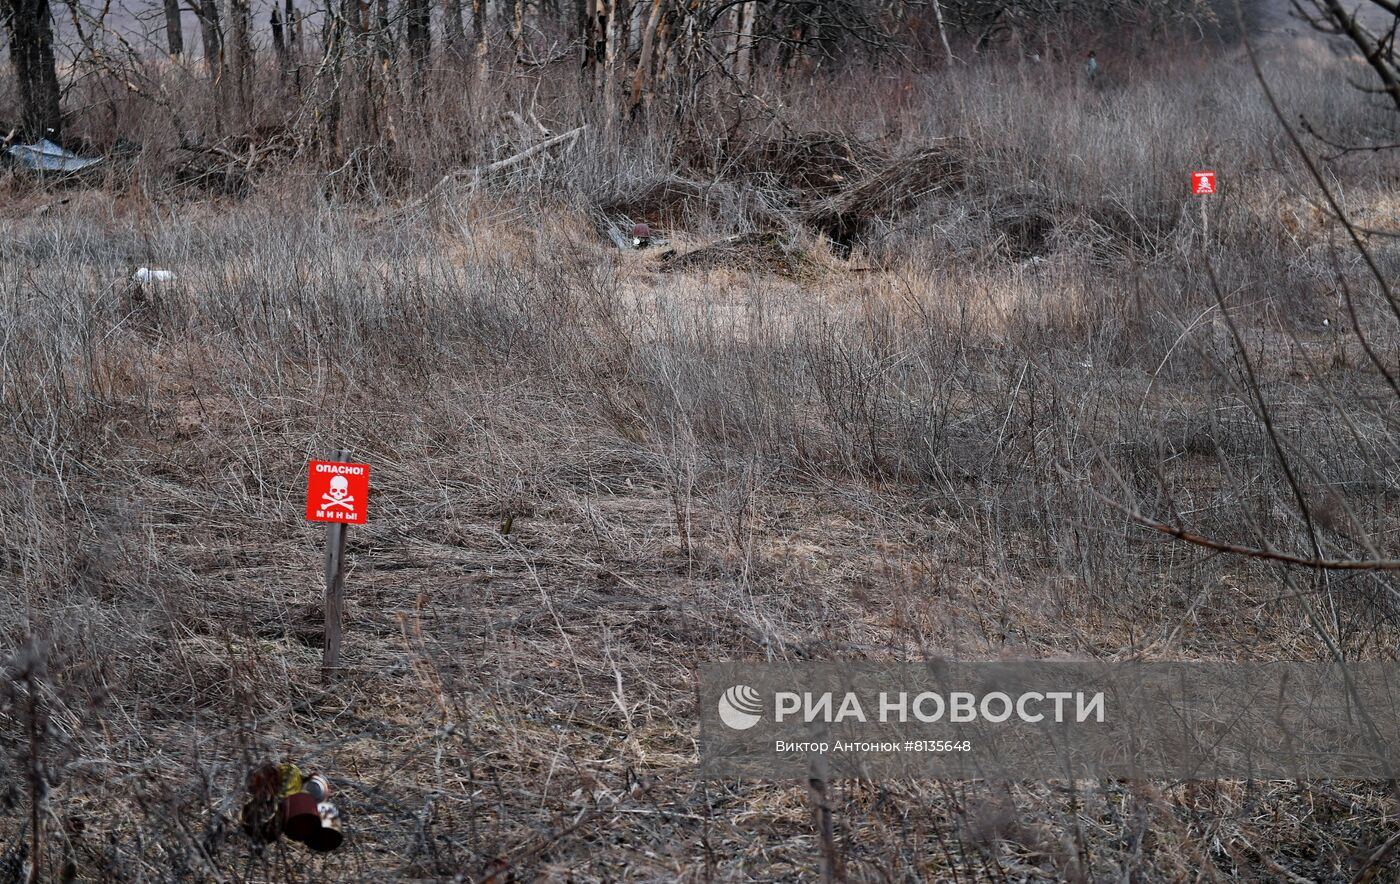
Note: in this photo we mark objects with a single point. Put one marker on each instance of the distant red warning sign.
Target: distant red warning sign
(1202, 183)
(337, 492)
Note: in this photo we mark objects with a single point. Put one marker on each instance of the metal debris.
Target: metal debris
(628, 236)
(284, 801)
(45, 156)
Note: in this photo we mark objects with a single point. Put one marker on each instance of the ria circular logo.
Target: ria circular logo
(740, 707)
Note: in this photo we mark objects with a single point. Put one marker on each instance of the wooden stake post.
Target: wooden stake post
(337, 492)
(335, 592)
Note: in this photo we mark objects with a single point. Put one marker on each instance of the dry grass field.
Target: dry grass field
(595, 469)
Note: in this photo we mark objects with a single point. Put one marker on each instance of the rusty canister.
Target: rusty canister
(300, 819)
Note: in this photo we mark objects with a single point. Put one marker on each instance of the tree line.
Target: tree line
(344, 57)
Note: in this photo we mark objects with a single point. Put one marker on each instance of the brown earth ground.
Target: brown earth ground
(594, 471)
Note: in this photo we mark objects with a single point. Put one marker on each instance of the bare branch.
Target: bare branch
(1253, 552)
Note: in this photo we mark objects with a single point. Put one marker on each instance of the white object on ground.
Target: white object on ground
(146, 275)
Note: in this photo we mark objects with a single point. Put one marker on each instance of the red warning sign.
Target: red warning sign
(337, 492)
(1202, 183)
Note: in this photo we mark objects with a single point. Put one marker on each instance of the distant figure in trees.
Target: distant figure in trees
(1091, 67)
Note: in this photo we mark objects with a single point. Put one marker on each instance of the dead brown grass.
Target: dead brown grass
(888, 457)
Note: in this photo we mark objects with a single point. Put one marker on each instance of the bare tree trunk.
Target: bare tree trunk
(174, 36)
(743, 40)
(340, 23)
(296, 20)
(279, 41)
(595, 46)
(240, 54)
(418, 18)
(636, 15)
(291, 33)
(665, 50)
(517, 30)
(212, 35)
(455, 35)
(479, 37)
(31, 53)
(640, 78)
(376, 34)
(581, 16)
(613, 48)
(383, 35)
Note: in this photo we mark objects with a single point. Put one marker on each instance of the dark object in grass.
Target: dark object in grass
(301, 819)
(328, 835)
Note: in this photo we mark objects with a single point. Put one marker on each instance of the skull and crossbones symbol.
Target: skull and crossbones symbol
(339, 495)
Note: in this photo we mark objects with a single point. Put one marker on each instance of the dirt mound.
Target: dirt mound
(813, 166)
(664, 202)
(892, 187)
(842, 188)
(764, 250)
(677, 203)
(832, 184)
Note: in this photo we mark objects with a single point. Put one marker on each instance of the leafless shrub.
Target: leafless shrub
(591, 476)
